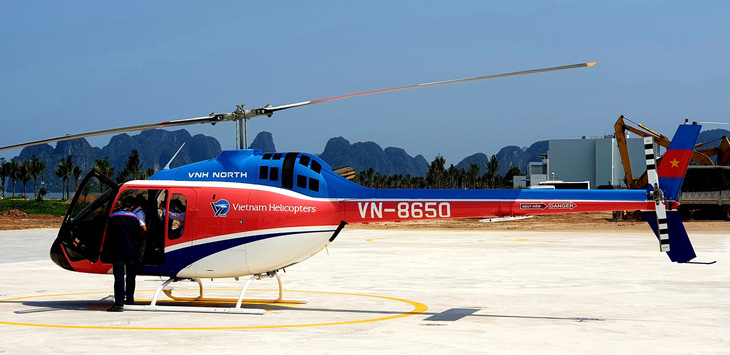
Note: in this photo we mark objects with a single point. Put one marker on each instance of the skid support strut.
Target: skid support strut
(166, 288)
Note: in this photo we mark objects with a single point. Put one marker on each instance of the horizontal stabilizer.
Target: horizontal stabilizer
(680, 249)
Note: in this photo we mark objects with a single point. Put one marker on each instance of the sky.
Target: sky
(76, 66)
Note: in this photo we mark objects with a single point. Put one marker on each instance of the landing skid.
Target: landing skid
(166, 288)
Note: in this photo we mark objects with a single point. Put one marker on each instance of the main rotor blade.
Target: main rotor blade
(524, 72)
(187, 121)
(241, 114)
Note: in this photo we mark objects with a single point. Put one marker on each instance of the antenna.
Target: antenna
(167, 166)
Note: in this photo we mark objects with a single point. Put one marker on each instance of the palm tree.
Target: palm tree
(36, 168)
(492, 168)
(13, 173)
(452, 176)
(69, 170)
(132, 168)
(472, 175)
(61, 172)
(77, 174)
(148, 173)
(436, 173)
(64, 170)
(104, 166)
(4, 173)
(370, 175)
(24, 175)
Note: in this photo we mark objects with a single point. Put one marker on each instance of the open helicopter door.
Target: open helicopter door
(82, 231)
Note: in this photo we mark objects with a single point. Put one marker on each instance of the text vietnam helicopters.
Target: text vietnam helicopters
(249, 212)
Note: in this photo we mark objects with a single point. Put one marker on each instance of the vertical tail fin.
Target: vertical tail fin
(665, 184)
(680, 248)
(674, 164)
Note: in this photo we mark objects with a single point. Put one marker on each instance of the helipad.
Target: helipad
(401, 291)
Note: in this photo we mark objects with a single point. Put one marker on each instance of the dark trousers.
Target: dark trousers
(124, 287)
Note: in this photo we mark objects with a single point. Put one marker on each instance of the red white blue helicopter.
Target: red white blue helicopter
(254, 213)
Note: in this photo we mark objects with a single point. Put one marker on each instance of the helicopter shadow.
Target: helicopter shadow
(450, 315)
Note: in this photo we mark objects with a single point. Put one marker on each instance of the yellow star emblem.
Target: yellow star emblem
(675, 163)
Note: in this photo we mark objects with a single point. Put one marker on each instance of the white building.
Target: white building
(594, 159)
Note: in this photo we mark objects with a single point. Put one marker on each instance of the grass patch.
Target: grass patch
(51, 206)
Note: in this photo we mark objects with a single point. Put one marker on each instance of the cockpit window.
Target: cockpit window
(267, 156)
(304, 160)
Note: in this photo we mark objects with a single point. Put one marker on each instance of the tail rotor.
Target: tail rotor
(665, 182)
(657, 195)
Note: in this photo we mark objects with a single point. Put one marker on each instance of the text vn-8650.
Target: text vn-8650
(406, 210)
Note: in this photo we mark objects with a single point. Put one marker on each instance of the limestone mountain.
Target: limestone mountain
(362, 156)
(156, 147)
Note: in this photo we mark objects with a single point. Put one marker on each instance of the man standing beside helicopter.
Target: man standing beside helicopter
(121, 247)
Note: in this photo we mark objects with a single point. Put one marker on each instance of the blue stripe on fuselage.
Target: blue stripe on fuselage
(525, 194)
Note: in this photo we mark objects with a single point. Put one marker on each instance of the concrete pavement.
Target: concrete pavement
(398, 291)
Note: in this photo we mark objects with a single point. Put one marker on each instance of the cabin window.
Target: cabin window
(314, 184)
(316, 167)
(144, 206)
(277, 156)
(264, 172)
(302, 181)
(176, 216)
(274, 176)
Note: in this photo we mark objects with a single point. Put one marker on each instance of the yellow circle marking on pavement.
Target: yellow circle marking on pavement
(534, 242)
(417, 309)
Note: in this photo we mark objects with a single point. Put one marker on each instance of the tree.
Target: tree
(13, 173)
(148, 173)
(42, 192)
(492, 168)
(69, 171)
(37, 168)
(77, 174)
(133, 165)
(64, 170)
(61, 172)
(472, 176)
(4, 173)
(511, 173)
(24, 175)
(452, 176)
(132, 168)
(370, 174)
(436, 172)
(104, 166)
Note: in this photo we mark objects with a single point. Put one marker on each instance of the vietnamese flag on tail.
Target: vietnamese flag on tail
(674, 163)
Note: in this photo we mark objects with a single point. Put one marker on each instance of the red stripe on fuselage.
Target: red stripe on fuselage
(373, 211)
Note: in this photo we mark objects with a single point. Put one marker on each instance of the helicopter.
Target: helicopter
(253, 213)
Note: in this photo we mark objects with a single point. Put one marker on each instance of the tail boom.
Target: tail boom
(405, 205)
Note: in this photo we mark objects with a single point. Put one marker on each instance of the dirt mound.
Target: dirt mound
(13, 213)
